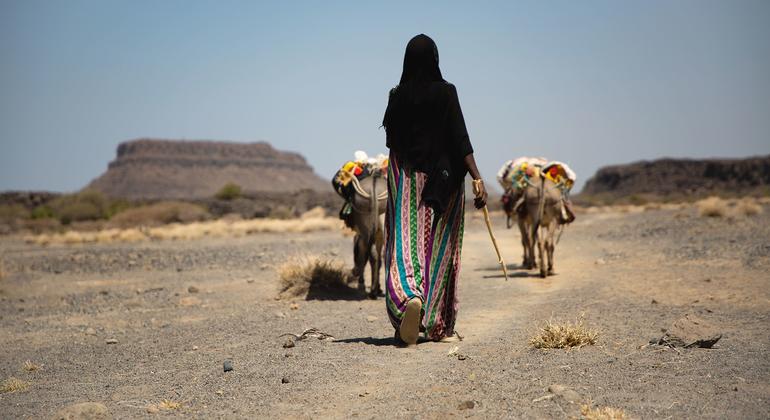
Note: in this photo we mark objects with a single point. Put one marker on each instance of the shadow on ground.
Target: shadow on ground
(372, 341)
(334, 292)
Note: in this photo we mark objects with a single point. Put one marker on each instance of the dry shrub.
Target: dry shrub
(12, 384)
(602, 413)
(747, 207)
(229, 191)
(282, 212)
(564, 335)
(302, 273)
(81, 206)
(161, 213)
(653, 206)
(12, 212)
(30, 366)
(673, 206)
(317, 212)
(712, 207)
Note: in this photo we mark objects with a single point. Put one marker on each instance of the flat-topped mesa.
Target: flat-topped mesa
(163, 169)
(681, 178)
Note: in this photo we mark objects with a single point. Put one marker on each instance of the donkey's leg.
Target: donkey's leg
(551, 244)
(541, 252)
(360, 255)
(375, 261)
(526, 261)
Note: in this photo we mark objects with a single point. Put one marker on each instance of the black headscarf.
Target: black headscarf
(420, 65)
(424, 123)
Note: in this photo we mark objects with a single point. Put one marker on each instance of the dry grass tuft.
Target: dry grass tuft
(602, 413)
(558, 336)
(13, 385)
(190, 231)
(748, 207)
(30, 366)
(712, 207)
(317, 212)
(299, 275)
(169, 405)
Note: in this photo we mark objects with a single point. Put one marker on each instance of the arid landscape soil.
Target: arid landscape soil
(145, 328)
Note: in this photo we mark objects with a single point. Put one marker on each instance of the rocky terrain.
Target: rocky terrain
(171, 169)
(151, 329)
(679, 179)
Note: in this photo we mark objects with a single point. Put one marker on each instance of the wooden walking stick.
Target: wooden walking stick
(476, 190)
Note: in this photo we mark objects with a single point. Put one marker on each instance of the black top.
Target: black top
(424, 123)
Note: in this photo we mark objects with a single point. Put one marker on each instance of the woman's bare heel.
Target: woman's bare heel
(409, 330)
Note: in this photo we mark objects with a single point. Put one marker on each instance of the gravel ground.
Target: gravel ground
(131, 325)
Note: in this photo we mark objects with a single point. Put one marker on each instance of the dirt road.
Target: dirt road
(177, 310)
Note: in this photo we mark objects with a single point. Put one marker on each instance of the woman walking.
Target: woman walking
(430, 154)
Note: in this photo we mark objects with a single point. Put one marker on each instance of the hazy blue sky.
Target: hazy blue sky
(587, 82)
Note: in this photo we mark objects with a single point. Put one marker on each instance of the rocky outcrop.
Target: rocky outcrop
(166, 169)
(27, 199)
(681, 178)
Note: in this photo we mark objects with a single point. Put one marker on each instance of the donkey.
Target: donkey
(369, 201)
(544, 213)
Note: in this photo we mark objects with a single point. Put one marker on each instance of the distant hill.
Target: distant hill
(173, 169)
(678, 179)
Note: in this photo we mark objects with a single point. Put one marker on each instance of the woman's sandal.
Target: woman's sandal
(409, 330)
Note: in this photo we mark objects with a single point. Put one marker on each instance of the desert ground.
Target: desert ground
(144, 328)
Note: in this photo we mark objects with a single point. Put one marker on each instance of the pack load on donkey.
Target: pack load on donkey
(346, 181)
(516, 175)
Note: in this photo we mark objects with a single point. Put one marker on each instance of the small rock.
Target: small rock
(294, 306)
(461, 356)
(104, 292)
(289, 343)
(371, 318)
(280, 315)
(264, 267)
(90, 331)
(153, 409)
(189, 301)
(111, 341)
(195, 348)
(466, 405)
(690, 331)
(219, 392)
(285, 380)
(654, 302)
(568, 394)
(86, 410)
(228, 365)
(250, 281)
(600, 261)
(192, 289)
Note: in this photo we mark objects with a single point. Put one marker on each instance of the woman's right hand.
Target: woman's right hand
(481, 193)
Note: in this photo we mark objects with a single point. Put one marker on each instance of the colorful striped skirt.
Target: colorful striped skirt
(422, 252)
